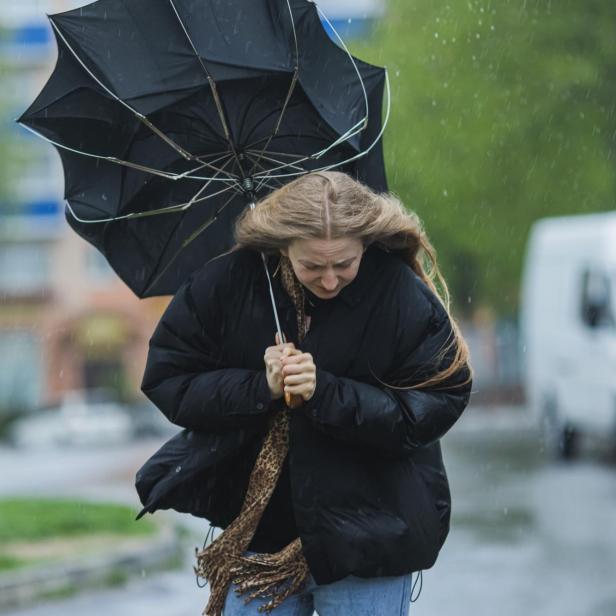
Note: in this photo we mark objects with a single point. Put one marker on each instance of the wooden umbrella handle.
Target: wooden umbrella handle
(293, 400)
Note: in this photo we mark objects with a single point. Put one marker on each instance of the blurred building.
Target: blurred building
(351, 18)
(66, 321)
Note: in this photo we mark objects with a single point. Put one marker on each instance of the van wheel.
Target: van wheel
(560, 438)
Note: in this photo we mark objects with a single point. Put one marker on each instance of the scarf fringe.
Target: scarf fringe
(273, 576)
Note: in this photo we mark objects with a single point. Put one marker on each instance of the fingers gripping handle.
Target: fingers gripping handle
(292, 400)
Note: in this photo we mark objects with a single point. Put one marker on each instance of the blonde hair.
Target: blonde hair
(332, 205)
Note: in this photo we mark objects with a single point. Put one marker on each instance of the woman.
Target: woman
(332, 504)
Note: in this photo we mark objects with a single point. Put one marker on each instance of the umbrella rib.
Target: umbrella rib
(273, 160)
(263, 182)
(188, 241)
(271, 152)
(261, 121)
(348, 160)
(194, 199)
(212, 85)
(357, 127)
(170, 209)
(289, 93)
(271, 187)
(282, 111)
(137, 166)
(364, 122)
(141, 117)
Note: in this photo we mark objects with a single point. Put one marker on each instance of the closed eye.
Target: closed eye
(338, 266)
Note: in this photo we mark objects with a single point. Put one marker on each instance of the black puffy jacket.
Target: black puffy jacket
(369, 492)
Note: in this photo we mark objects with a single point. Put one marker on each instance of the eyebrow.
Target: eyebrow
(304, 262)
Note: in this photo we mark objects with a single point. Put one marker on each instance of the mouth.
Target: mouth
(326, 292)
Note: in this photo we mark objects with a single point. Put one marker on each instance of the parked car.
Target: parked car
(83, 417)
(568, 329)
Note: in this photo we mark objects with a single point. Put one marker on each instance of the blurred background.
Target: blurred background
(503, 139)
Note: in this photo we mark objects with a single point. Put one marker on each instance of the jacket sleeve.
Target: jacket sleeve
(397, 421)
(184, 376)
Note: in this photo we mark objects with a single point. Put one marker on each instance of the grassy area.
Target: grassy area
(10, 562)
(31, 526)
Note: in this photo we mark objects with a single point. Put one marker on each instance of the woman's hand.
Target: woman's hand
(273, 366)
(299, 373)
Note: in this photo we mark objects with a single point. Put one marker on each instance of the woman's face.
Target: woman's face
(325, 266)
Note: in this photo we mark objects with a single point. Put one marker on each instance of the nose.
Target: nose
(329, 281)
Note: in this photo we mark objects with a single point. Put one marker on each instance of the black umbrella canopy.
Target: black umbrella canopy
(170, 116)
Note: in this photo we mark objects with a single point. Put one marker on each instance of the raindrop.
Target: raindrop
(445, 193)
(468, 299)
(436, 35)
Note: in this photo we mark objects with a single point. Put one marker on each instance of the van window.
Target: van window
(597, 309)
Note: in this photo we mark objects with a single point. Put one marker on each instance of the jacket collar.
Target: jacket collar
(350, 295)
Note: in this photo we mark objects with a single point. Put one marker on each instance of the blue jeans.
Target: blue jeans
(381, 596)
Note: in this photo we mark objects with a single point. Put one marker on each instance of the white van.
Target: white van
(568, 328)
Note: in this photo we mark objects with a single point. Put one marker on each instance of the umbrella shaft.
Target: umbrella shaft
(271, 290)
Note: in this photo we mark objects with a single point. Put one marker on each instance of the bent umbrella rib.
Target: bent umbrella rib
(343, 162)
(187, 241)
(213, 87)
(294, 79)
(141, 117)
(126, 163)
(170, 209)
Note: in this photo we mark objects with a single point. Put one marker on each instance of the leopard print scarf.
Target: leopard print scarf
(273, 576)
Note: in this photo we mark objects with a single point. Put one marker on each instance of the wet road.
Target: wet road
(528, 536)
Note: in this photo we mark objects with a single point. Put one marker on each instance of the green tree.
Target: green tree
(502, 112)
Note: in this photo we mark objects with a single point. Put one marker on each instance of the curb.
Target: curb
(26, 586)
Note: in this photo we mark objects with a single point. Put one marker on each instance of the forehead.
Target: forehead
(318, 251)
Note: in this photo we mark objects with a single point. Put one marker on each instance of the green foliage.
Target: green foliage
(8, 562)
(502, 112)
(39, 519)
